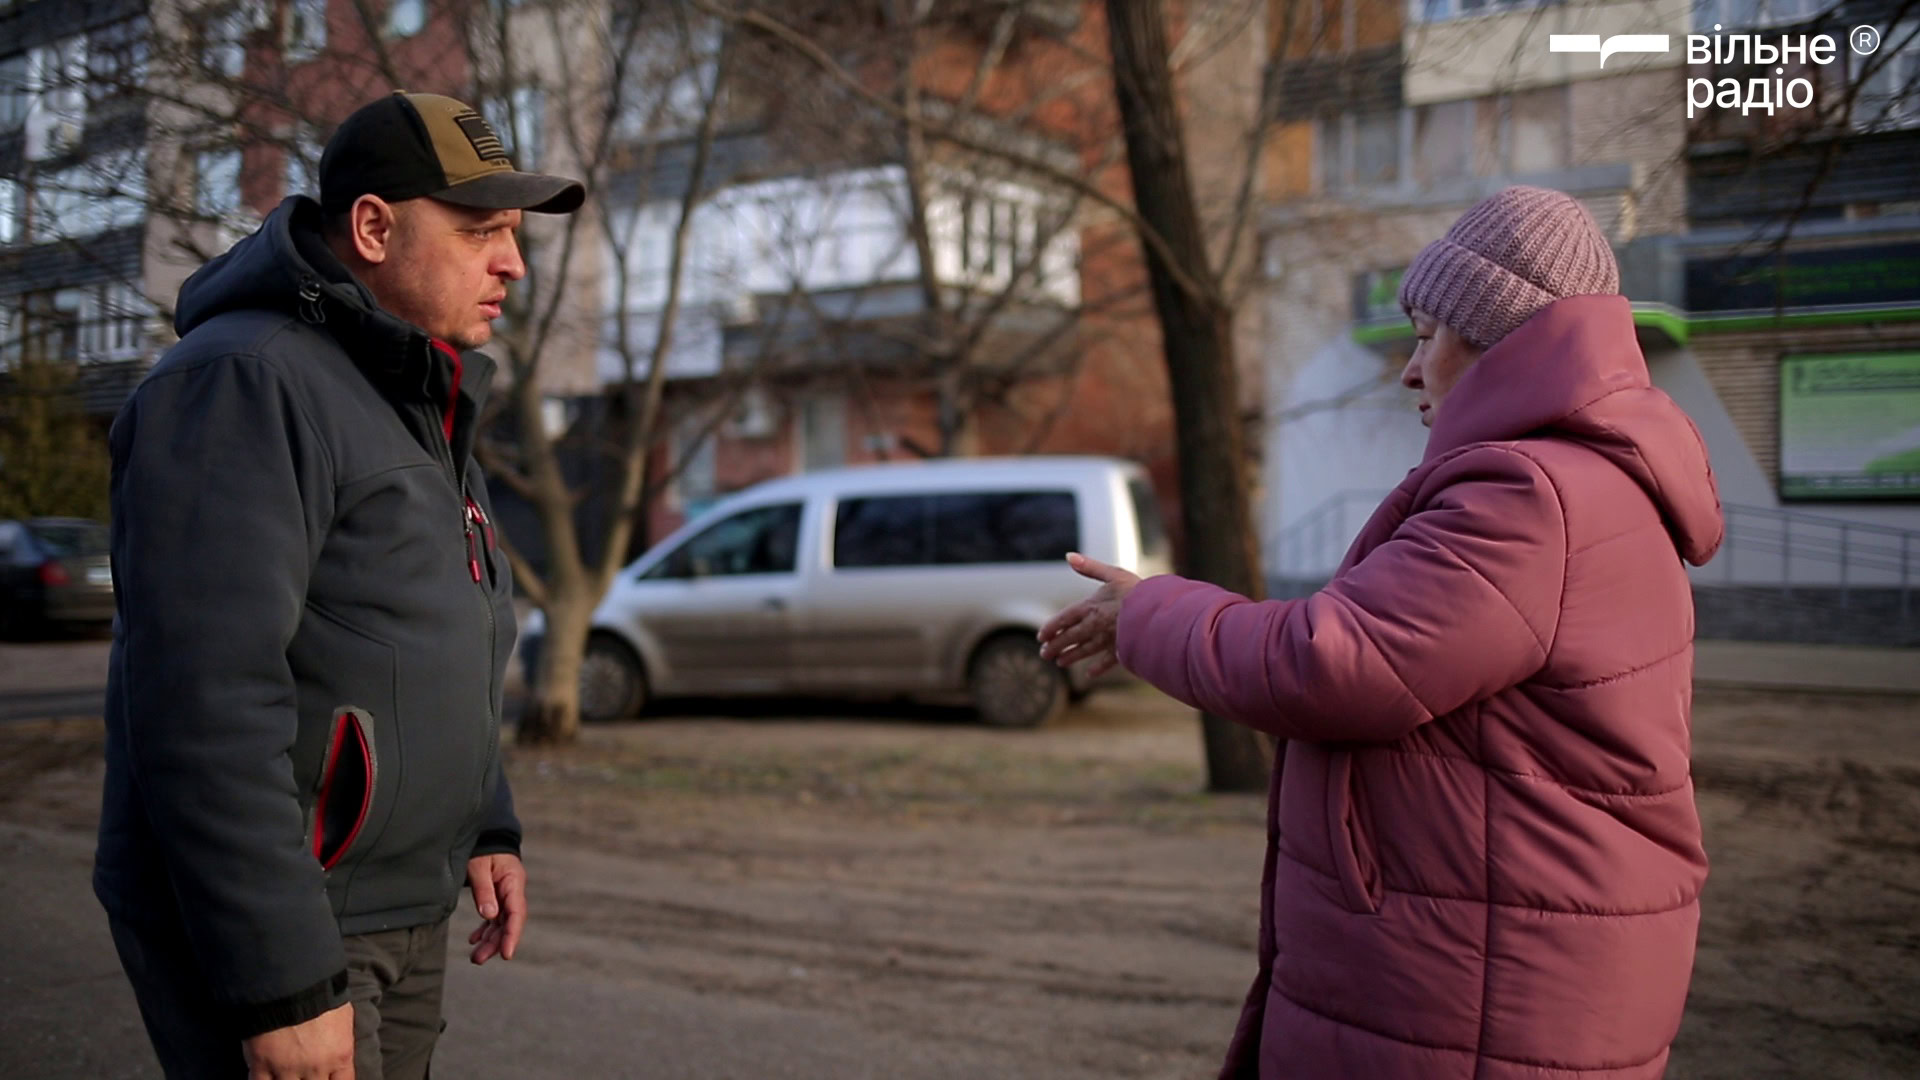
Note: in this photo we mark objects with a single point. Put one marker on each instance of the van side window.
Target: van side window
(764, 540)
(888, 531)
(959, 529)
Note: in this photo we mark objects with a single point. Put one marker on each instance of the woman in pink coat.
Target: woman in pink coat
(1484, 860)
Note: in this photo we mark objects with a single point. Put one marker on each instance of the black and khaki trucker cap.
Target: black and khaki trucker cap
(404, 146)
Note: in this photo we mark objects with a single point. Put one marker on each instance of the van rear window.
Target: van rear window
(958, 529)
(1146, 516)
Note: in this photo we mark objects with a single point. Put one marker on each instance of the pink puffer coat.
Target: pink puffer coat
(1484, 861)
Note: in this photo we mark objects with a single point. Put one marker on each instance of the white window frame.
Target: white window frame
(406, 18)
(306, 29)
(57, 114)
(217, 164)
(12, 211)
(226, 34)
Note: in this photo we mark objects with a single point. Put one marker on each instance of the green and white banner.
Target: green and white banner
(1850, 426)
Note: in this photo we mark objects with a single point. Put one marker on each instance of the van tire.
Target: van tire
(1013, 686)
(612, 684)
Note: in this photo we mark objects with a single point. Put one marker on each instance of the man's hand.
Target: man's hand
(1087, 629)
(320, 1049)
(500, 893)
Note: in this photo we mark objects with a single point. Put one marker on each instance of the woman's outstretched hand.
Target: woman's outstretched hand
(1086, 630)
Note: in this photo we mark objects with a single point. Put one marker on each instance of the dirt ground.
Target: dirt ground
(1065, 898)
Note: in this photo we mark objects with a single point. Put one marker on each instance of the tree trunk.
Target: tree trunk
(551, 715)
(1197, 334)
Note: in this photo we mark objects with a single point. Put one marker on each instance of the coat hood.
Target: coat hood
(285, 265)
(1574, 371)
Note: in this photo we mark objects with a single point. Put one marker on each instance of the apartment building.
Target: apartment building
(850, 297)
(74, 191)
(138, 138)
(1771, 259)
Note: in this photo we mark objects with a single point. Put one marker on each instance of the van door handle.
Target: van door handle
(774, 603)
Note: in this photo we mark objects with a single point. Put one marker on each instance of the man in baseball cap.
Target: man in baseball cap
(314, 619)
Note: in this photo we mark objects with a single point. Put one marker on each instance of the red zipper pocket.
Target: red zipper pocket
(477, 516)
(346, 787)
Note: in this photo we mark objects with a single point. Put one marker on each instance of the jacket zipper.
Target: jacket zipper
(473, 514)
(457, 477)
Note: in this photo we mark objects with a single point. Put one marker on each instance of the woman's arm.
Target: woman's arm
(1462, 602)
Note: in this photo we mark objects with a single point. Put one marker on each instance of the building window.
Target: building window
(1359, 149)
(303, 163)
(11, 210)
(1747, 14)
(223, 38)
(823, 432)
(999, 237)
(1442, 10)
(306, 29)
(406, 18)
(1443, 141)
(57, 80)
(697, 458)
(108, 321)
(1889, 95)
(16, 92)
(216, 182)
(117, 60)
(518, 116)
(1536, 130)
(109, 191)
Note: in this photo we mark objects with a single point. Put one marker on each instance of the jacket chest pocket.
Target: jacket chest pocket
(347, 780)
(1350, 839)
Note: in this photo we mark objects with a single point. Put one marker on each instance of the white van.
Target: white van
(919, 579)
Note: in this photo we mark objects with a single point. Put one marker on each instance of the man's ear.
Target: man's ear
(370, 224)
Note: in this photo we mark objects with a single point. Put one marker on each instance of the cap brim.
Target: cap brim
(535, 193)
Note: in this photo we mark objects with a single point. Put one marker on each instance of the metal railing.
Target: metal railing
(1313, 546)
(1809, 564)
(1793, 550)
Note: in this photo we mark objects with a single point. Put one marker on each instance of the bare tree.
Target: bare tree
(1193, 291)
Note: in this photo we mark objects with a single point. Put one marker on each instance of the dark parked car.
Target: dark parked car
(54, 571)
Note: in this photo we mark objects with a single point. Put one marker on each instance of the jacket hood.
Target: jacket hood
(285, 265)
(1574, 371)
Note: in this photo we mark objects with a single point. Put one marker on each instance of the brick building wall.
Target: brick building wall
(1638, 118)
(1744, 369)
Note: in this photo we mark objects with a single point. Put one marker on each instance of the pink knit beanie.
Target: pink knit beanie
(1512, 254)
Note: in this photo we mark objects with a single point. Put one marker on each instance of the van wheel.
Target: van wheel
(1013, 686)
(612, 686)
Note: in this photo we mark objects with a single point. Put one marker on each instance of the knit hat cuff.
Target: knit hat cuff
(1474, 296)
